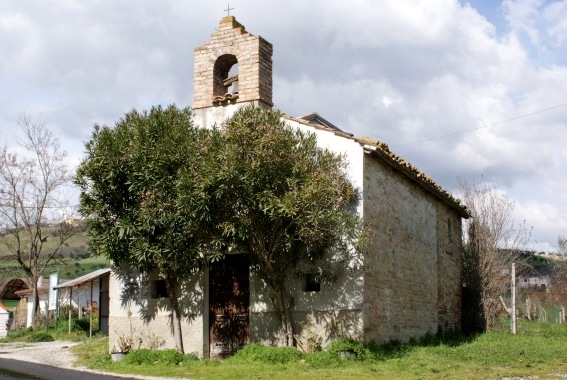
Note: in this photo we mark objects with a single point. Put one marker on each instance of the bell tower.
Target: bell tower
(233, 67)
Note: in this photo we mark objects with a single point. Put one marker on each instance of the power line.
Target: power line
(484, 126)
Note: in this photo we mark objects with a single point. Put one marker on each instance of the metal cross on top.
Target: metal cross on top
(228, 9)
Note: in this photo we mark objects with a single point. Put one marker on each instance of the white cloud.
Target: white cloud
(398, 71)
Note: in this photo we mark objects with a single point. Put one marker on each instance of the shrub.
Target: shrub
(265, 354)
(348, 349)
(145, 356)
(191, 357)
(40, 336)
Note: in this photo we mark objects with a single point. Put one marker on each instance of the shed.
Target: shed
(100, 277)
(4, 321)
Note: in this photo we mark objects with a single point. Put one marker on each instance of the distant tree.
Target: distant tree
(558, 281)
(492, 243)
(288, 203)
(32, 201)
(562, 244)
(142, 196)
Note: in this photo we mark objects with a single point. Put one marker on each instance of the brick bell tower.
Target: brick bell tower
(233, 67)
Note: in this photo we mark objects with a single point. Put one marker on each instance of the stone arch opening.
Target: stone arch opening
(10, 289)
(225, 75)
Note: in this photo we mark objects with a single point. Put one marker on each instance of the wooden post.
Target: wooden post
(70, 307)
(46, 315)
(91, 313)
(513, 298)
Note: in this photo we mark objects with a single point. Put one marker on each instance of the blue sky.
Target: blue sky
(405, 72)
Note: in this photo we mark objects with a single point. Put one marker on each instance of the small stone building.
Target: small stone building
(411, 282)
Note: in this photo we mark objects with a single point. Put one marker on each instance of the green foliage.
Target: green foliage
(348, 349)
(17, 334)
(290, 199)
(153, 357)
(40, 336)
(264, 354)
(130, 190)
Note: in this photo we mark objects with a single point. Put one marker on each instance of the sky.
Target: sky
(474, 90)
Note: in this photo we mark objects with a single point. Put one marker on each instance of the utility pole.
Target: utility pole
(513, 298)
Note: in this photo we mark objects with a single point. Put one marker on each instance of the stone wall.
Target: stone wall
(449, 268)
(412, 280)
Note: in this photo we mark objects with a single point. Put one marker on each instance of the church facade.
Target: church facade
(411, 281)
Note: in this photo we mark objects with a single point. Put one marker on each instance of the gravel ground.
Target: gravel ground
(56, 354)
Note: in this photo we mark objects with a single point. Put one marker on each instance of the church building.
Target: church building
(410, 284)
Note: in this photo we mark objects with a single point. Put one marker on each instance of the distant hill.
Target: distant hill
(75, 261)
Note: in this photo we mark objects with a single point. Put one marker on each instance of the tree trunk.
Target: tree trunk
(285, 314)
(35, 301)
(172, 289)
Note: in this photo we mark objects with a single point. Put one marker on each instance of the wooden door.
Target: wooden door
(229, 301)
(104, 307)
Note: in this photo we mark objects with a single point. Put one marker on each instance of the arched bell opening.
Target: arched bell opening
(225, 80)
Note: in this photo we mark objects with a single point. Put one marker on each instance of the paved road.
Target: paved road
(11, 369)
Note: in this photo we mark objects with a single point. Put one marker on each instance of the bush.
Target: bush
(265, 354)
(40, 336)
(348, 349)
(145, 356)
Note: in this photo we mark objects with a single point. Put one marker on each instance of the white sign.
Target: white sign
(53, 281)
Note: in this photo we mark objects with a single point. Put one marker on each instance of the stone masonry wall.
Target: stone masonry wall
(254, 57)
(449, 268)
(402, 289)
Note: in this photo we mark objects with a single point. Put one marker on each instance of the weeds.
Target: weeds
(40, 336)
(145, 356)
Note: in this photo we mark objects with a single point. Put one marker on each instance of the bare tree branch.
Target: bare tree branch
(32, 202)
(492, 243)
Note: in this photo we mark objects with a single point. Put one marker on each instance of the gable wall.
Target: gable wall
(402, 289)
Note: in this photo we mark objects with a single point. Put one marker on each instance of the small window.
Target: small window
(312, 284)
(158, 289)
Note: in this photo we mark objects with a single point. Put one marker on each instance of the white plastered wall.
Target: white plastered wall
(133, 312)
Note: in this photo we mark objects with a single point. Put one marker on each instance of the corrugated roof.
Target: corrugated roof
(83, 279)
(381, 151)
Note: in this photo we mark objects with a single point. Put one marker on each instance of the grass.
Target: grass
(539, 350)
(76, 243)
(79, 331)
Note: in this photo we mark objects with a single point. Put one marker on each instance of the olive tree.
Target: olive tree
(142, 196)
(287, 203)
